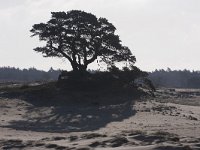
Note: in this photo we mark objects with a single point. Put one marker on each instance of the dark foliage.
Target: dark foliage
(112, 79)
(176, 78)
(81, 38)
(11, 74)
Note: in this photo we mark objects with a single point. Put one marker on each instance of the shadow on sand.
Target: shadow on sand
(53, 111)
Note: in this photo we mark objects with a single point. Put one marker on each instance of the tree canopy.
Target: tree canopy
(81, 38)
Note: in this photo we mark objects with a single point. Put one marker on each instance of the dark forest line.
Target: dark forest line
(175, 78)
(12, 74)
(160, 78)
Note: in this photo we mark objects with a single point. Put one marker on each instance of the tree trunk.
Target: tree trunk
(74, 67)
(82, 68)
(79, 68)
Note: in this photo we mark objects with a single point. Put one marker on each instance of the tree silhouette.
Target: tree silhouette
(81, 38)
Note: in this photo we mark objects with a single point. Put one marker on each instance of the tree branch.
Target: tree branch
(92, 59)
(60, 51)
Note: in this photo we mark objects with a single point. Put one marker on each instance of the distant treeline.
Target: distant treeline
(11, 74)
(175, 78)
(160, 78)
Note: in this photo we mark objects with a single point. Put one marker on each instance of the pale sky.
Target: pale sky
(160, 33)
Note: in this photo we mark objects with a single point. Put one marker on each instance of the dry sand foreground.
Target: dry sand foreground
(168, 122)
